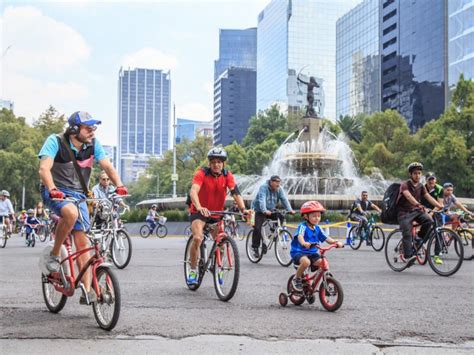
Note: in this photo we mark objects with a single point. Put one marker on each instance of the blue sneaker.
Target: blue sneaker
(192, 277)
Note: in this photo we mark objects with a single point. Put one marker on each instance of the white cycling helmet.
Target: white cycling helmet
(5, 193)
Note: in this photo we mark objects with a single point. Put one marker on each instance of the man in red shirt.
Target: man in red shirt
(208, 193)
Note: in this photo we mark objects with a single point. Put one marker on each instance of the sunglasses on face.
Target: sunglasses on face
(89, 128)
(105, 179)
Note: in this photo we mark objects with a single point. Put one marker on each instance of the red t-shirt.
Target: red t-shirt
(213, 189)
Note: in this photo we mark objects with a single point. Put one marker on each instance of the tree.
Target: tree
(50, 122)
(264, 124)
(386, 144)
(351, 126)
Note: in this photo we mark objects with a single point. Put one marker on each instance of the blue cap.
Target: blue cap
(82, 118)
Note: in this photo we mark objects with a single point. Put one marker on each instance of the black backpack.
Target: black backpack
(389, 204)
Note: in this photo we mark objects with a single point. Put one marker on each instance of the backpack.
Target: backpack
(389, 204)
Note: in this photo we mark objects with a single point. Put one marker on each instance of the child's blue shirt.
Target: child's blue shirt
(310, 236)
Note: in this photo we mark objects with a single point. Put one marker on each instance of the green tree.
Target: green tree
(50, 122)
(264, 124)
(352, 126)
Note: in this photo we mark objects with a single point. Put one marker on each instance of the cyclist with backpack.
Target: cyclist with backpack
(360, 209)
(410, 209)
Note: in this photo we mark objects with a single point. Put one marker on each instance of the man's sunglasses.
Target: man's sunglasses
(89, 128)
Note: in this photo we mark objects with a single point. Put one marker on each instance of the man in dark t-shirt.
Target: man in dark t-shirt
(360, 209)
(435, 190)
(410, 209)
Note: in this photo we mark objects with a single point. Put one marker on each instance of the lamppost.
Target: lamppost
(174, 176)
(157, 185)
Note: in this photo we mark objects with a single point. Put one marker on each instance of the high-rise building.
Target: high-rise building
(414, 58)
(111, 152)
(296, 37)
(237, 48)
(234, 84)
(189, 129)
(460, 40)
(234, 104)
(144, 119)
(358, 60)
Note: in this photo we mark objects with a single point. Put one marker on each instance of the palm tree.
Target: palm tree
(351, 126)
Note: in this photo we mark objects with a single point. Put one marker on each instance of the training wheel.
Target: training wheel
(283, 298)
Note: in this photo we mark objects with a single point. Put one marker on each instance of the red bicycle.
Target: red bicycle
(223, 260)
(58, 286)
(321, 281)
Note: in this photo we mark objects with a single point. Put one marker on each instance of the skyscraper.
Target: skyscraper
(460, 40)
(188, 129)
(234, 84)
(358, 60)
(234, 104)
(295, 37)
(144, 116)
(237, 48)
(414, 65)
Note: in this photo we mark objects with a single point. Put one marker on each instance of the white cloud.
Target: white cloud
(42, 63)
(39, 42)
(150, 58)
(208, 87)
(194, 111)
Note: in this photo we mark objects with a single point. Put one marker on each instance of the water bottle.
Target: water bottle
(326, 228)
(348, 237)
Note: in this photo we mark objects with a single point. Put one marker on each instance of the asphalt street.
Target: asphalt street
(382, 309)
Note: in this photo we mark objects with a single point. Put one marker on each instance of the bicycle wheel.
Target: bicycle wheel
(249, 249)
(42, 233)
(55, 300)
(33, 239)
(107, 307)
(394, 251)
(187, 232)
(331, 294)
(145, 231)
(377, 238)
(296, 298)
(121, 249)
(467, 239)
(356, 240)
(282, 247)
(445, 252)
(161, 231)
(226, 275)
(3, 237)
(187, 264)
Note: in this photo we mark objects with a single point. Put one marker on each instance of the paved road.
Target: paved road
(380, 307)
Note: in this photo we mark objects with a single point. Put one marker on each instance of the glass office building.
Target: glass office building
(189, 129)
(460, 40)
(414, 51)
(296, 37)
(234, 104)
(144, 116)
(237, 48)
(358, 60)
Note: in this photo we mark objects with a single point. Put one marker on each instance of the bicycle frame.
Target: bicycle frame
(314, 281)
(214, 249)
(275, 227)
(67, 284)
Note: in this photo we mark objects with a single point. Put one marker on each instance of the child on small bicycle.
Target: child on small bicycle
(308, 232)
(152, 217)
(30, 222)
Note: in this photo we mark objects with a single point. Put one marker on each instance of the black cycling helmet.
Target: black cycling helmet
(415, 166)
(217, 152)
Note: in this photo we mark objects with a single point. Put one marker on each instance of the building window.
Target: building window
(389, 29)
(390, 42)
(389, 15)
(388, 2)
(389, 56)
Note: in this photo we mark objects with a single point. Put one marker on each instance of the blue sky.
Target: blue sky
(68, 53)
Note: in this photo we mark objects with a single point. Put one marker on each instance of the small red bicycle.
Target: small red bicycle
(321, 281)
(57, 286)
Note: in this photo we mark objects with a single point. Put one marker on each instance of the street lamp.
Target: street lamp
(174, 177)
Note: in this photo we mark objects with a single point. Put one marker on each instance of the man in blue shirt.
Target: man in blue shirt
(59, 179)
(266, 200)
